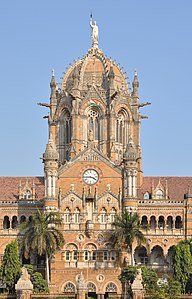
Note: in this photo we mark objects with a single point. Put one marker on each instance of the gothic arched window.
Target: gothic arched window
(22, 219)
(112, 215)
(71, 252)
(111, 287)
(103, 215)
(91, 287)
(93, 123)
(6, 222)
(122, 127)
(64, 135)
(14, 222)
(77, 215)
(67, 255)
(69, 288)
(67, 215)
(90, 253)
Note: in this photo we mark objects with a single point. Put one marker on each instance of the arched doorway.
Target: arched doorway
(170, 256)
(140, 256)
(91, 290)
(157, 256)
(6, 222)
(153, 223)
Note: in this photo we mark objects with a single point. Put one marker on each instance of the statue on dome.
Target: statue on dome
(95, 33)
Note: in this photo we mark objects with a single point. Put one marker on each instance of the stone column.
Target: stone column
(24, 286)
(81, 287)
(137, 287)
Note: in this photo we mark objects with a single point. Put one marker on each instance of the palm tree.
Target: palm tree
(40, 236)
(127, 228)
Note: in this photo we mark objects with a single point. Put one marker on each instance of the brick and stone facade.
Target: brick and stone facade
(92, 171)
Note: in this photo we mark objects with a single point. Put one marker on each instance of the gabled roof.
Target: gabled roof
(90, 154)
(9, 186)
(177, 186)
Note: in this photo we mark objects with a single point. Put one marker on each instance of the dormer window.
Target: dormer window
(159, 194)
(27, 194)
(146, 195)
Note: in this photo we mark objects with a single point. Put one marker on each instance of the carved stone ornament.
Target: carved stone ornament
(137, 286)
(80, 238)
(24, 286)
(81, 284)
(100, 277)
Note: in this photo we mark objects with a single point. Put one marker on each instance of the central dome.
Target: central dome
(94, 69)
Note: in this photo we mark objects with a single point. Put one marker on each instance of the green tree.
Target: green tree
(127, 228)
(182, 264)
(42, 237)
(127, 277)
(39, 283)
(169, 289)
(11, 266)
(150, 279)
(173, 289)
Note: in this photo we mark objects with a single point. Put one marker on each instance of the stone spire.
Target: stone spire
(50, 159)
(75, 89)
(75, 77)
(130, 152)
(53, 97)
(135, 85)
(111, 80)
(51, 151)
(130, 175)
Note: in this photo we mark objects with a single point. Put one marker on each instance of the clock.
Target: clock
(90, 176)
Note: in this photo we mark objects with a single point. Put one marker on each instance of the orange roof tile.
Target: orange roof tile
(177, 186)
(9, 186)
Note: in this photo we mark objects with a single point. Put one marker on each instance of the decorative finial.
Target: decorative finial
(95, 33)
(135, 72)
(53, 73)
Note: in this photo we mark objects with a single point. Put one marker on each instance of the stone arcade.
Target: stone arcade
(93, 170)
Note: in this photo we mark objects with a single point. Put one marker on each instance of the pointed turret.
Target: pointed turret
(53, 97)
(75, 77)
(75, 89)
(135, 85)
(130, 152)
(50, 159)
(130, 172)
(111, 81)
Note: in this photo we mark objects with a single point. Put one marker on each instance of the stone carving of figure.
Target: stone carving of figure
(95, 33)
(24, 274)
(90, 136)
(81, 278)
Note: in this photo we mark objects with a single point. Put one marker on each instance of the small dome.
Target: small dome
(51, 151)
(130, 153)
(94, 68)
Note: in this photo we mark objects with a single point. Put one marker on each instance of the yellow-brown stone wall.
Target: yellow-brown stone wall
(73, 175)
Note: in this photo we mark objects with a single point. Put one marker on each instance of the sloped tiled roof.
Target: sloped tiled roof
(9, 186)
(177, 186)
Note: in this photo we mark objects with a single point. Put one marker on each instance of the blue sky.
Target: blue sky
(154, 37)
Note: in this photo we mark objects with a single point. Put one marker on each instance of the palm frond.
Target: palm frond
(41, 235)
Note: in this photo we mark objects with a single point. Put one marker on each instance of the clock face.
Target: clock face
(90, 176)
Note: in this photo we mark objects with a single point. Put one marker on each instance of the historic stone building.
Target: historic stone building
(92, 171)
